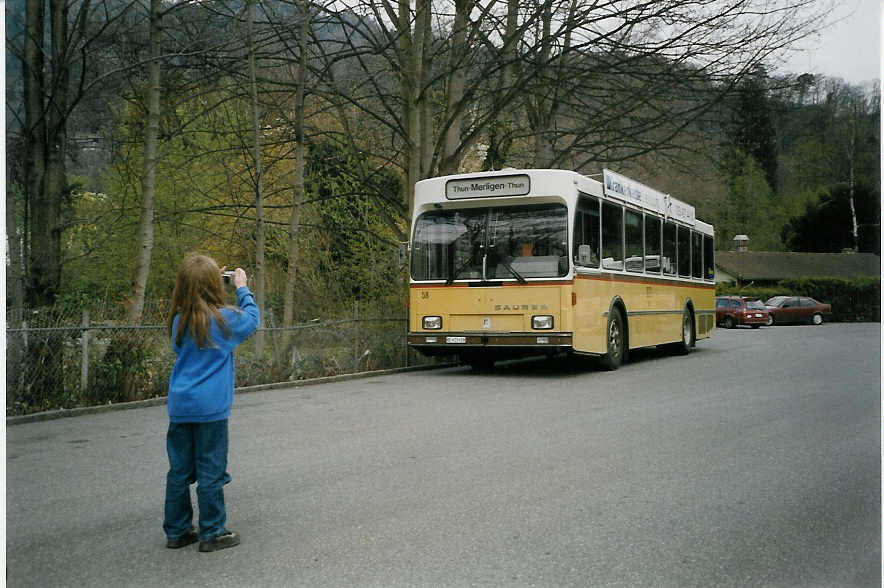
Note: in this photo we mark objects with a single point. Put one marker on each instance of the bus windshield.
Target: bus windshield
(515, 242)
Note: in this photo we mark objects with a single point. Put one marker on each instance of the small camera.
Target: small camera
(227, 276)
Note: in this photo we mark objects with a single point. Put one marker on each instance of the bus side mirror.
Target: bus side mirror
(404, 248)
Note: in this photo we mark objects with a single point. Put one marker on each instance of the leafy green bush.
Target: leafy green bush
(124, 373)
(852, 300)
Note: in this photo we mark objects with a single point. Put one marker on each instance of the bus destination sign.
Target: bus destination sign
(518, 185)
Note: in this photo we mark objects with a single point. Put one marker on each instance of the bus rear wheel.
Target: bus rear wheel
(615, 335)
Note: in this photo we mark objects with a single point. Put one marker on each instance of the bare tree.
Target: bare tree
(14, 276)
(457, 74)
(45, 134)
(860, 108)
(595, 82)
(149, 167)
(259, 174)
(298, 184)
(413, 35)
(849, 111)
(55, 51)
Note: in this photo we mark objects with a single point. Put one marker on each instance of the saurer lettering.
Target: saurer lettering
(521, 307)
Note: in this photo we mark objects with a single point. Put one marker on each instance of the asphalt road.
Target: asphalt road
(754, 461)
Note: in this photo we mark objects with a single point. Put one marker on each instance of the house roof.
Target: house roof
(776, 265)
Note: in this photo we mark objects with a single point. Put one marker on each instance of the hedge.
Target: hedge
(852, 300)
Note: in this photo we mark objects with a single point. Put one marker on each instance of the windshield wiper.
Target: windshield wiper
(521, 279)
(512, 270)
(457, 272)
(502, 261)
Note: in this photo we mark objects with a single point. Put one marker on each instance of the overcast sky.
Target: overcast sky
(849, 49)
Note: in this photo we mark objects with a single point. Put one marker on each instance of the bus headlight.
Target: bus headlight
(432, 322)
(542, 321)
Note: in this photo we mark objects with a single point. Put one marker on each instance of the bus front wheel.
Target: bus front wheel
(615, 334)
(683, 347)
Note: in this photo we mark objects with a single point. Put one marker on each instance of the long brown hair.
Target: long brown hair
(198, 294)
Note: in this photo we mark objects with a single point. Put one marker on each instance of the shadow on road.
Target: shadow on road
(561, 365)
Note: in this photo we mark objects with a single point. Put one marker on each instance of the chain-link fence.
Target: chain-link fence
(66, 358)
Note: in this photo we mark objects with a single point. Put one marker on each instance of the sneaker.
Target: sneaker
(222, 541)
(190, 537)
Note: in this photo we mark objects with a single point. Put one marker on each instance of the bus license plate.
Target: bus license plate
(455, 339)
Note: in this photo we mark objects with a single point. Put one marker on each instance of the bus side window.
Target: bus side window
(634, 241)
(696, 254)
(669, 249)
(652, 244)
(708, 258)
(586, 232)
(612, 236)
(684, 252)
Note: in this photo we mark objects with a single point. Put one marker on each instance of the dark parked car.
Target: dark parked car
(731, 311)
(797, 309)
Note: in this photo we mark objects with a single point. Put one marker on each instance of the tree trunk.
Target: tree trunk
(45, 191)
(259, 195)
(851, 162)
(34, 90)
(298, 185)
(148, 171)
(411, 55)
(409, 112)
(538, 100)
(456, 84)
(14, 294)
(41, 280)
(425, 136)
(125, 351)
(500, 133)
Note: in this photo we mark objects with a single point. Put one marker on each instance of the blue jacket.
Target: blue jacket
(201, 385)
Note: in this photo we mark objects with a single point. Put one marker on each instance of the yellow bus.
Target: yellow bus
(523, 262)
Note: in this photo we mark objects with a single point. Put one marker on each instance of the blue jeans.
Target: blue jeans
(197, 453)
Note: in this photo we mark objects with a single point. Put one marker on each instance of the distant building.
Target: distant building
(766, 267)
(742, 266)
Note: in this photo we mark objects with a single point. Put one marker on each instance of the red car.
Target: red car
(731, 311)
(797, 309)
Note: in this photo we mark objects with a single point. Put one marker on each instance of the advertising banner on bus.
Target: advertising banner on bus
(623, 188)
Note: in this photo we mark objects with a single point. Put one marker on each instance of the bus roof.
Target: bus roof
(511, 182)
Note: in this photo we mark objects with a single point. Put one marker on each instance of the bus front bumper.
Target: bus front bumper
(444, 343)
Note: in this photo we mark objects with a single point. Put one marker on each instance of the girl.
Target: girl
(204, 333)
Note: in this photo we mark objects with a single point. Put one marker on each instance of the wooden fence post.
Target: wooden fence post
(356, 337)
(84, 363)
